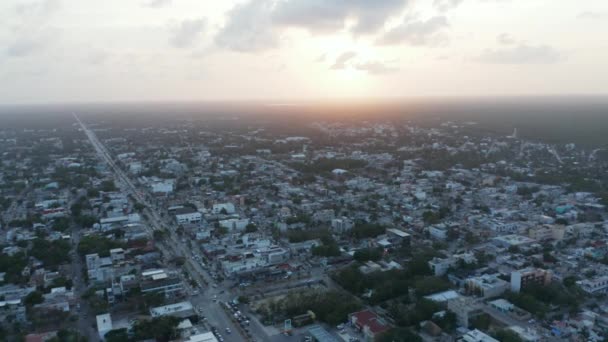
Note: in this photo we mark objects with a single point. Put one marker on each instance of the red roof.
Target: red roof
(370, 320)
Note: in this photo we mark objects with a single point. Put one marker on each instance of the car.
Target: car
(228, 331)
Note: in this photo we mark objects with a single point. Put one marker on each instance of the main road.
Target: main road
(171, 246)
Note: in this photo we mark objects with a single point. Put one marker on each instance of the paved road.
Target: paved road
(85, 317)
(171, 246)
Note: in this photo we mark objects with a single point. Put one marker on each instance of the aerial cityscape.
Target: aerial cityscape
(303, 170)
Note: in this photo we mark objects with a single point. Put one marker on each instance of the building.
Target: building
(187, 215)
(512, 240)
(162, 187)
(477, 336)
(547, 232)
(368, 323)
(526, 334)
(158, 281)
(179, 310)
(398, 237)
(223, 208)
(502, 305)
(234, 224)
(520, 279)
(486, 286)
(341, 225)
(440, 266)
(205, 337)
(597, 285)
(99, 269)
(465, 309)
(443, 297)
(438, 232)
(104, 325)
(117, 255)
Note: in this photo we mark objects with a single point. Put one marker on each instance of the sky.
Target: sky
(62, 51)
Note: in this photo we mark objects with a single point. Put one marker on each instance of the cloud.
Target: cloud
(590, 15)
(446, 5)
(257, 24)
(23, 47)
(248, 28)
(331, 15)
(157, 3)
(186, 33)
(30, 31)
(96, 58)
(505, 39)
(521, 54)
(341, 61)
(376, 68)
(38, 8)
(417, 32)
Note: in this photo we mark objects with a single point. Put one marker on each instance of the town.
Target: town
(226, 229)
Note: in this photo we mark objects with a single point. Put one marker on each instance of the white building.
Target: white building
(486, 286)
(439, 233)
(186, 215)
(221, 208)
(341, 225)
(180, 310)
(594, 286)
(205, 337)
(234, 224)
(104, 325)
(477, 336)
(162, 187)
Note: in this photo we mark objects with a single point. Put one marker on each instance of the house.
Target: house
(369, 324)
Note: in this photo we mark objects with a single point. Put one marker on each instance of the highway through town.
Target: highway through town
(171, 247)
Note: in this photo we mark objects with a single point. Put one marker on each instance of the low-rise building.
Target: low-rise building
(486, 286)
(597, 285)
(179, 310)
(369, 324)
(188, 215)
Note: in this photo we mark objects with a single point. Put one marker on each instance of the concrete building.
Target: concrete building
(104, 325)
(187, 215)
(162, 187)
(368, 323)
(205, 337)
(486, 286)
(512, 240)
(158, 281)
(547, 232)
(179, 310)
(465, 308)
(520, 279)
(223, 208)
(341, 225)
(234, 224)
(597, 285)
(477, 336)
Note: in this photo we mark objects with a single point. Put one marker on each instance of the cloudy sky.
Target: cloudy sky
(133, 50)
